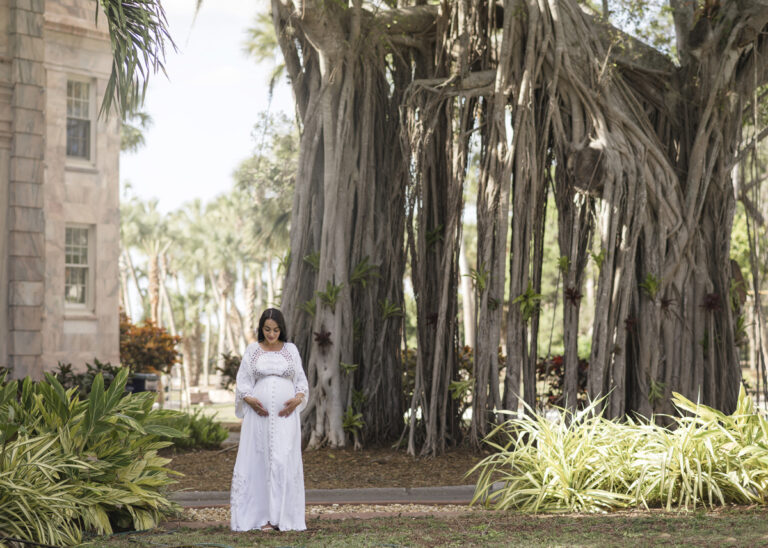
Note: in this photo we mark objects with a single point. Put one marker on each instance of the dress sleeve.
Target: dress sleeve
(243, 384)
(299, 378)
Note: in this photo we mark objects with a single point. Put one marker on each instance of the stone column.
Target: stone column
(26, 225)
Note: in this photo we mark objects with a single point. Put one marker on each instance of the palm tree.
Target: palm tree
(192, 254)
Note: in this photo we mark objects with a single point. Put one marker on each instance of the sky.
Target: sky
(204, 111)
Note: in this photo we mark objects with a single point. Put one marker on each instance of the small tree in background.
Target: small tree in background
(147, 348)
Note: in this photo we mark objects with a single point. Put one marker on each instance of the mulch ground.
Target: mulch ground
(334, 469)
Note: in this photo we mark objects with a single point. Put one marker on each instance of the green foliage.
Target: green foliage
(736, 291)
(138, 32)
(352, 421)
(310, 307)
(285, 260)
(479, 278)
(460, 389)
(261, 44)
(564, 264)
(84, 381)
(363, 272)
(358, 399)
(599, 258)
(651, 285)
(528, 302)
(229, 369)
(740, 331)
(330, 295)
(132, 131)
(202, 432)
(648, 20)
(70, 465)
(434, 235)
(313, 260)
(34, 504)
(656, 391)
(263, 194)
(389, 310)
(585, 462)
(348, 368)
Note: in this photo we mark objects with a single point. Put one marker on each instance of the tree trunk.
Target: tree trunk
(467, 298)
(125, 295)
(341, 218)
(645, 145)
(270, 284)
(205, 381)
(250, 301)
(134, 277)
(154, 285)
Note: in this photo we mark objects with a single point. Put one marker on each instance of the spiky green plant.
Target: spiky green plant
(95, 459)
(362, 272)
(352, 420)
(330, 296)
(348, 368)
(38, 502)
(585, 462)
(313, 260)
(389, 309)
(529, 302)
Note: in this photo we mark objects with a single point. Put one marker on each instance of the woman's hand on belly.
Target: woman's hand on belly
(291, 404)
(256, 405)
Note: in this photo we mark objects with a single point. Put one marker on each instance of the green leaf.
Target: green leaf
(165, 431)
(330, 296)
(528, 302)
(313, 259)
(363, 272)
(389, 309)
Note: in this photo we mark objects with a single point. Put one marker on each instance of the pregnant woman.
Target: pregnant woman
(268, 480)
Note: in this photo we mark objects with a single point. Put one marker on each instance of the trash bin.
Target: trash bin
(144, 382)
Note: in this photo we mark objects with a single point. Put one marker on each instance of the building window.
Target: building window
(78, 119)
(78, 271)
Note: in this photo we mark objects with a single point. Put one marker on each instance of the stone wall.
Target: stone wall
(79, 191)
(42, 190)
(25, 221)
(6, 121)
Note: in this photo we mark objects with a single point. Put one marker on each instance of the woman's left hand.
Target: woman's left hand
(291, 405)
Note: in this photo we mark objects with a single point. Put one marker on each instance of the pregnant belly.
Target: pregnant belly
(273, 392)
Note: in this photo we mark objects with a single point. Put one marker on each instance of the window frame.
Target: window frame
(88, 306)
(81, 161)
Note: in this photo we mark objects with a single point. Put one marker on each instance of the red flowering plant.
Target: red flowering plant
(551, 373)
(147, 348)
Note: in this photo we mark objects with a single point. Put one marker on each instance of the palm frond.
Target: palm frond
(138, 31)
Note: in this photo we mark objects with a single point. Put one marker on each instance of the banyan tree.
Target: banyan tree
(637, 148)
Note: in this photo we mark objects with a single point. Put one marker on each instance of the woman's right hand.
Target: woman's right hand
(256, 405)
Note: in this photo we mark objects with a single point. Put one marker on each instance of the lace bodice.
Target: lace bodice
(262, 363)
(258, 363)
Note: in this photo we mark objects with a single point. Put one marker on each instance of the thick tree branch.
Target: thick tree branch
(472, 85)
(682, 14)
(404, 24)
(746, 148)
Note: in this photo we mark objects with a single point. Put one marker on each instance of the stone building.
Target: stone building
(59, 188)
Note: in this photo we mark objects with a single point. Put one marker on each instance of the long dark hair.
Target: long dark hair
(277, 316)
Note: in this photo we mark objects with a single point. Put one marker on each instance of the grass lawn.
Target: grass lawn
(728, 527)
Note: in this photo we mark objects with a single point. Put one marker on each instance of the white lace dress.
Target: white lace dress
(268, 480)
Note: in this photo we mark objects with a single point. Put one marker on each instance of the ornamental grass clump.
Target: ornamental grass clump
(587, 463)
(70, 465)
